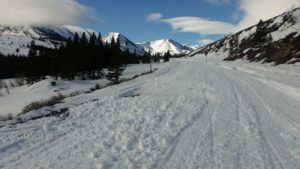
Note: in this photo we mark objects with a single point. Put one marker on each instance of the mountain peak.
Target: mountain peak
(162, 46)
(16, 38)
(125, 43)
(114, 34)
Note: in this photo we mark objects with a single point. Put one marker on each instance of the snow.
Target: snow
(187, 114)
(164, 45)
(194, 47)
(18, 37)
(276, 21)
(247, 33)
(285, 30)
(246, 50)
(277, 28)
(19, 97)
(126, 44)
(9, 44)
(62, 31)
(73, 29)
(19, 31)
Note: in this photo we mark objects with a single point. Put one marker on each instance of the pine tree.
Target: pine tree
(116, 64)
(81, 55)
(93, 39)
(100, 56)
(31, 65)
(231, 49)
(75, 38)
(92, 56)
(167, 56)
(260, 34)
(99, 40)
(83, 39)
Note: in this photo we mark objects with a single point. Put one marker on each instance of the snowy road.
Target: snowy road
(188, 114)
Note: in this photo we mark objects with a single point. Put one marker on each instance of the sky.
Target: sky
(190, 22)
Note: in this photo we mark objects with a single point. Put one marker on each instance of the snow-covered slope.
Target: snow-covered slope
(18, 45)
(15, 39)
(14, 101)
(218, 114)
(165, 45)
(126, 44)
(194, 47)
(275, 40)
(50, 32)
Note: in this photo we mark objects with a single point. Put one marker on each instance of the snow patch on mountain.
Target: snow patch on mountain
(126, 44)
(79, 30)
(274, 40)
(15, 39)
(18, 45)
(19, 31)
(165, 45)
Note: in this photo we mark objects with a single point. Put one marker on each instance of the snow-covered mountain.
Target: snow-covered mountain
(275, 40)
(15, 40)
(194, 47)
(165, 45)
(50, 32)
(126, 44)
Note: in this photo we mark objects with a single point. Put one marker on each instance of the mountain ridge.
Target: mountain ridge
(15, 40)
(162, 46)
(275, 40)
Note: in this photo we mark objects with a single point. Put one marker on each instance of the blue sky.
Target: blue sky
(129, 18)
(190, 21)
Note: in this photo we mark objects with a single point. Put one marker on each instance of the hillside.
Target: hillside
(15, 40)
(276, 40)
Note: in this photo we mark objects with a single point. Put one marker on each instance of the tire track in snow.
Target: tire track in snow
(177, 138)
(235, 100)
(268, 150)
(214, 118)
(266, 146)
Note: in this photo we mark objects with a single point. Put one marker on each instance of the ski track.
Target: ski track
(188, 114)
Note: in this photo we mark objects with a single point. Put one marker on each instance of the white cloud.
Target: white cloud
(199, 25)
(250, 12)
(153, 17)
(205, 41)
(254, 10)
(43, 12)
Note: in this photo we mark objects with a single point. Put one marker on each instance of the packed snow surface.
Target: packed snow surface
(19, 97)
(188, 114)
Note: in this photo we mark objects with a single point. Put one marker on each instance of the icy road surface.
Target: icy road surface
(188, 114)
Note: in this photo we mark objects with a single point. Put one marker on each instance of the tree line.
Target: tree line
(78, 57)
